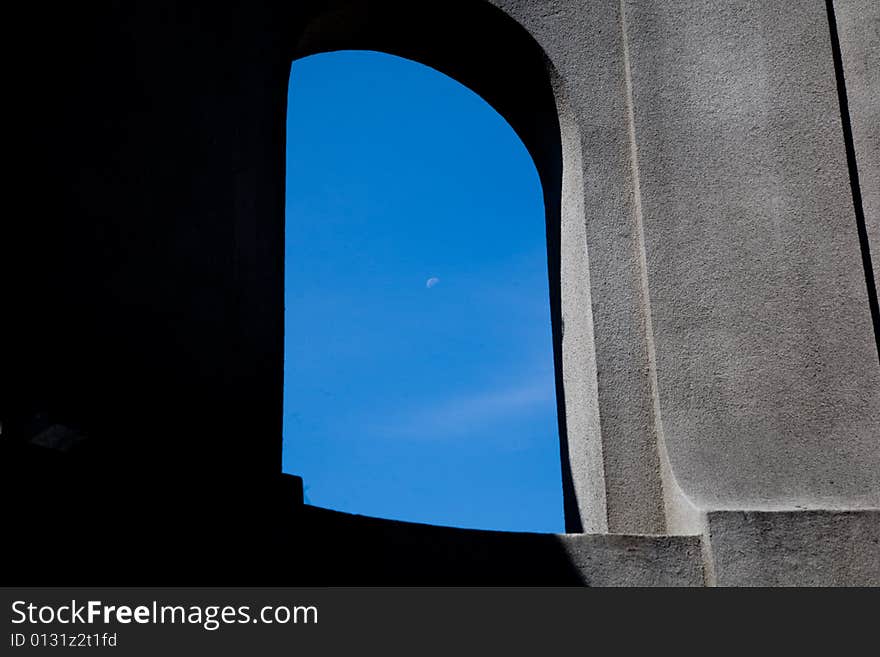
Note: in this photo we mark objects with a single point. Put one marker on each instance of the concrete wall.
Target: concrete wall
(733, 332)
(767, 367)
(804, 548)
(858, 29)
(713, 334)
(349, 548)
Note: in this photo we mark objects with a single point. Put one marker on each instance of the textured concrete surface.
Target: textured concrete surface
(621, 560)
(768, 377)
(858, 28)
(799, 548)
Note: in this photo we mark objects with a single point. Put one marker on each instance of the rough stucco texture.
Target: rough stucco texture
(617, 560)
(858, 28)
(818, 548)
(767, 368)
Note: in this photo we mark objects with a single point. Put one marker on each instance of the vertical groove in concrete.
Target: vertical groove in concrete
(645, 300)
(852, 164)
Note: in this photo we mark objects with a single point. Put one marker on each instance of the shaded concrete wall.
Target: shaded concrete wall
(145, 277)
(383, 548)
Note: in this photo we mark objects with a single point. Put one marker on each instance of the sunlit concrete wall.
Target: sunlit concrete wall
(731, 208)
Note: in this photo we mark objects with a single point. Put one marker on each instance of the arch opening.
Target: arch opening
(419, 372)
(514, 76)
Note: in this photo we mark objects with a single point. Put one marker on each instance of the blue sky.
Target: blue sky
(418, 358)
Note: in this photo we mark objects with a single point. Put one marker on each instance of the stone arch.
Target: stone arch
(486, 50)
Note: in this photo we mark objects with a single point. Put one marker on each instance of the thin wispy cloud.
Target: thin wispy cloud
(458, 415)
